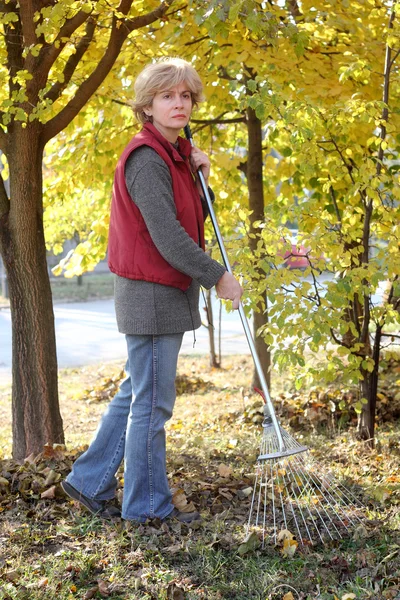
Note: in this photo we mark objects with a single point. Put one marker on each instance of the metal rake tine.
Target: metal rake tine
(259, 494)
(342, 494)
(273, 507)
(309, 487)
(282, 503)
(301, 493)
(265, 502)
(252, 500)
(317, 510)
(334, 505)
(293, 512)
(325, 497)
(350, 497)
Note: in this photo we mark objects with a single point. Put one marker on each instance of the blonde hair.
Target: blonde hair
(164, 74)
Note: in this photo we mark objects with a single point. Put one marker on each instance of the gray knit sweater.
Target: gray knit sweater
(148, 308)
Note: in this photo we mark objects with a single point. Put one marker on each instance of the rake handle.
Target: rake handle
(242, 314)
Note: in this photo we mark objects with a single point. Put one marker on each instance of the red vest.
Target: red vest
(131, 251)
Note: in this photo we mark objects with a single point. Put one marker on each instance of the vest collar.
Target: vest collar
(184, 146)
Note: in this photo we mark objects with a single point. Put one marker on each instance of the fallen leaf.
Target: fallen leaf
(52, 477)
(50, 493)
(244, 492)
(225, 493)
(360, 532)
(30, 459)
(179, 500)
(224, 470)
(173, 549)
(91, 593)
(251, 543)
(103, 587)
(48, 451)
(349, 597)
(175, 593)
(288, 596)
(285, 534)
(289, 548)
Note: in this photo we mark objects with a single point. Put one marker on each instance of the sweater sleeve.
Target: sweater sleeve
(150, 186)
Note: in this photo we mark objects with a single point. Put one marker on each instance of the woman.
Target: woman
(156, 250)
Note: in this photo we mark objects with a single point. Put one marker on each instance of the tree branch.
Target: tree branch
(27, 11)
(218, 120)
(335, 204)
(344, 161)
(393, 335)
(73, 61)
(13, 39)
(50, 52)
(386, 85)
(391, 292)
(119, 32)
(294, 10)
(337, 340)
(198, 40)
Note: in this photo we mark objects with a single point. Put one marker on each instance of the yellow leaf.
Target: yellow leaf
(285, 534)
(349, 597)
(288, 596)
(289, 548)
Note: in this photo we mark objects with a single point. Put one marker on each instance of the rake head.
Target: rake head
(290, 493)
(274, 446)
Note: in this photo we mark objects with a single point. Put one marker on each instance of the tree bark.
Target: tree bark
(35, 409)
(369, 390)
(214, 361)
(254, 174)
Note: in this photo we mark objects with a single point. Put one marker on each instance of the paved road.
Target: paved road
(86, 333)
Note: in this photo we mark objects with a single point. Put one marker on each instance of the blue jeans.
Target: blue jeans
(132, 428)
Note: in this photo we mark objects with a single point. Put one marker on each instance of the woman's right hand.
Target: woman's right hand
(229, 288)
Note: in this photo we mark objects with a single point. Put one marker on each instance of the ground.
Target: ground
(50, 548)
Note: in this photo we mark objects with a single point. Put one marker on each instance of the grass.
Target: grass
(50, 548)
(93, 286)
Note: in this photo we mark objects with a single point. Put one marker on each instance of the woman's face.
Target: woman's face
(171, 109)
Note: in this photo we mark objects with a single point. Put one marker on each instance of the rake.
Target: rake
(291, 495)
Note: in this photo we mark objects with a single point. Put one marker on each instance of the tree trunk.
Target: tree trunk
(369, 390)
(35, 409)
(214, 362)
(254, 174)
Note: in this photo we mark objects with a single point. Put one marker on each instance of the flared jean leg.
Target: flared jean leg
(93, 473)
(153, 361)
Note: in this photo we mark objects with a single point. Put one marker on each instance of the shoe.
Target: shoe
(100, 509)
(183, 517)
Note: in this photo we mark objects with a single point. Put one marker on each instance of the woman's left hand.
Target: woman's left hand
(199, 159)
